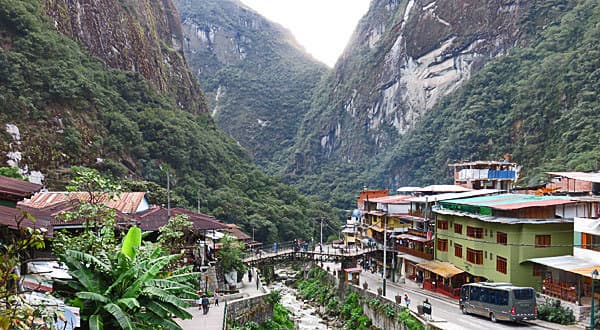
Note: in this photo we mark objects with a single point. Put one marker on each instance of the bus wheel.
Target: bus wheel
(463, 309)
(493, 317)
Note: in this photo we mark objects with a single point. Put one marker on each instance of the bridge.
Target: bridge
(287, 252)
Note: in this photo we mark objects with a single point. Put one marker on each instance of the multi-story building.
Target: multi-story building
(494, 238)
(486, 174)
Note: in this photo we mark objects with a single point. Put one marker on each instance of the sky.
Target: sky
(323, 27)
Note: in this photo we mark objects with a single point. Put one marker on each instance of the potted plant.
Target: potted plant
(398, 299)
(365, 285)
(379, 291)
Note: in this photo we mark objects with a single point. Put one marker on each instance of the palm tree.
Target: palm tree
(119, 291)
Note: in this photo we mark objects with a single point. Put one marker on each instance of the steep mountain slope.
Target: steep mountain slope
(257, 78)
(61, 107)
(404, 57)
(539, 103)
(141, 36)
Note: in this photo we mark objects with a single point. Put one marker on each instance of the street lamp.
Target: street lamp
(594, 275)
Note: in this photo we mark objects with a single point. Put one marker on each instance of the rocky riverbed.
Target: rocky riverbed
(304, 315)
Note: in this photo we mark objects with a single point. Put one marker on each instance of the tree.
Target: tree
(176, 234)
(231, 255)
(128, 290)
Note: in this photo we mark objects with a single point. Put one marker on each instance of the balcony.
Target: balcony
(415, 252)
(416, 232)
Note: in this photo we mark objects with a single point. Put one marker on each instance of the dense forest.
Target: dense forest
(540, 103)
(73, 110)
(257, 78)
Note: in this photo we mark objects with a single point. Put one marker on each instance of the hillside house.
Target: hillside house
(486, 174)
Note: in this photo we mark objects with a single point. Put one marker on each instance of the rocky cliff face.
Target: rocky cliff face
(257, 78)
(404, 56)
(141, 36)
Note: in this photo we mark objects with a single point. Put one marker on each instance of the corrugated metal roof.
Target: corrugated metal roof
(482, 162)
(156, 217)
(569, 263)
(126, 202)
(583, 176)
(414, 238)
(390, 199)
(408, 189)
(441, 188)
(9, 216)
(511, 201)
(443, 197)
(510, 221)
(17, 188)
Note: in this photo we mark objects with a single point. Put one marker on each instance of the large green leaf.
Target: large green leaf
(128, 303)
(132, 242)
(157, 266)
(96, 323)
(121, 317)
(92, 296)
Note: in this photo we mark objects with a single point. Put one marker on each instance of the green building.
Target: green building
(493, 237)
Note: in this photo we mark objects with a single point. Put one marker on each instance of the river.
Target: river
(304, 315)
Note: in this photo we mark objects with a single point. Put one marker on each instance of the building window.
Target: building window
(537, 270)
(542, 240)
(443, 224)
(590, 242)
(458, 250)
(474, 232)
(475, 256)
(458, 228)
(501, 265)
(442, 245)
(501, 238)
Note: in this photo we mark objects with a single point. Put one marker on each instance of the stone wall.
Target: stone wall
(255, 309)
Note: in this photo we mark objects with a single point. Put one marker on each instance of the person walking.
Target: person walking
(406, 300)
(249, 275)
(205, 304)
(216, 298)
(199, 300)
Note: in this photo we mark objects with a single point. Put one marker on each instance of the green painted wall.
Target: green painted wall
(520, 247)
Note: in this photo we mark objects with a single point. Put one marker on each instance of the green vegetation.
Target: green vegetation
(11, 172)
(552, 311)
(281, 316)
(16, 312)
(352, 312)
(539, 103)
(316, 288)
(264, 86)
(117, 289)
(72, 110)
(231, 255)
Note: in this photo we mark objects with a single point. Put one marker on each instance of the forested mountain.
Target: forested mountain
(120, 99)
(257, 78)
(406, 59)
(540, 103)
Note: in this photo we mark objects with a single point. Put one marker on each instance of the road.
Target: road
(445, 312)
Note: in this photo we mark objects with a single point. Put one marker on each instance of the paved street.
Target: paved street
(445, 312)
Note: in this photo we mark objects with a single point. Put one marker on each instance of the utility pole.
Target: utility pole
(168, 194)
(384, 251)
(321, 231)
(198, 198)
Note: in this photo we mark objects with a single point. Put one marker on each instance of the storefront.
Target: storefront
(442, 277)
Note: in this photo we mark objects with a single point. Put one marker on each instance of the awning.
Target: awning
(353, 270)
(569, 263)
(413, 238)
(376, 228)
(414, 259)
(444, 269)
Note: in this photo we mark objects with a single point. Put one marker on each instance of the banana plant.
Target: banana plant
(129, 291)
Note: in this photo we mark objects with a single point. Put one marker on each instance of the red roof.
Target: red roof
(390, 199)
(156, 217)
(235, 230)
(14, 189)
(10, 215)
(126, 202)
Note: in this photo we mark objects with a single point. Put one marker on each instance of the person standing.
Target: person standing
(216, 298)
(249, 275)
(205, 304)
(406, 300)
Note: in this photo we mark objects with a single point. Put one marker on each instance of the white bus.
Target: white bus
(498, 301)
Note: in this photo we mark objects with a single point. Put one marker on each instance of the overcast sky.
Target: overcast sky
(323, 27)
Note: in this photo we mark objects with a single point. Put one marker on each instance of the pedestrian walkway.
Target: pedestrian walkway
(211, 321)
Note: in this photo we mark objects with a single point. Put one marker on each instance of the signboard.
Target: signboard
(427, 308)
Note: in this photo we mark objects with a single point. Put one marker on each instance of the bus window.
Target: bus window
(523, 294)
(464, 292)
(474, 293)
(502, 297)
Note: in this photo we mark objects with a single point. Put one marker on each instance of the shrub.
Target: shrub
(553, 311)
